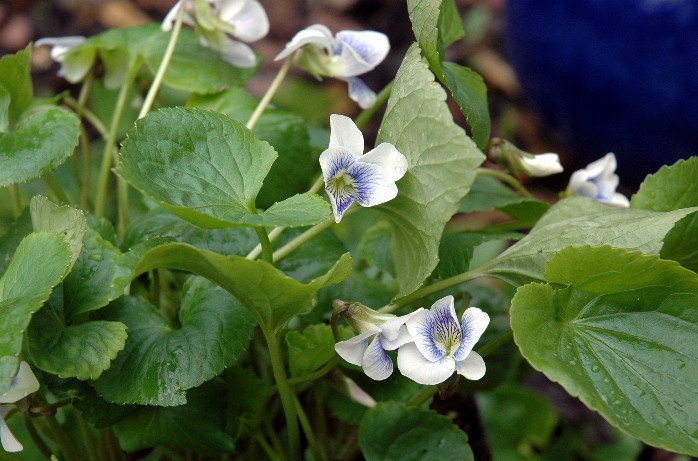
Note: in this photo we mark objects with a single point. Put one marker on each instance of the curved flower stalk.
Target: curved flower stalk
(519, 161)
(23, 384)
(350, 176)
(343, 56)
(599, 181)
(377, 333)
(442, 345)
(224, 25)
(77, 68)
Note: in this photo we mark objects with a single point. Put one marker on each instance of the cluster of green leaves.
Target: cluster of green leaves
(151, 332)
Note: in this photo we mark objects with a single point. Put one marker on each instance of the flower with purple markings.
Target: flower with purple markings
(343, 56)
(441, 344)
(599, 181)
(350, 176)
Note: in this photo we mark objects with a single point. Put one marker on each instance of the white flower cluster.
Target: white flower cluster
(431, 343)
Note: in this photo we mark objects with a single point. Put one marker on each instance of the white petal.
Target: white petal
(392, 326)
(316, 35)
(617, 200)
(473, 367)
(357, 394)
(171, 17)
(228, 9)
(605, 165)
(403, 337)
(474, 322)
(376, 363)
(251, 22)
(23, 384)
(360, 93)
(421, 328)
(8, 440)
(372, 188)
(60, 45)
(391, 162)
(541, 164)
(344, 133)
(352, 350)
(237, 53)
(413, 365)
(358, 52)
(581, 185)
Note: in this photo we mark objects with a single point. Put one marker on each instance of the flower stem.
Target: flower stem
(308, 431)
(16, 198)
(285, 393)
(160, 74)
(268, 450)
(256, 251)
(301, 239)
(63, 440)
(505, 178)
(88, 437)
(267, 250)
(36, 437)
(266, 99)
(319, 373)
(495, 343)
(431, 289)
(363, 118)
(87, 115)
(56, 188)
(110, 153)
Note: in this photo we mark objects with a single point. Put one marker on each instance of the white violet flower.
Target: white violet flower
(23, 384)
(76, 69)
(343, 56)
(599, 181)
(519, 161)
(377, 333)
(223, 25)
(442, 345)
(350, 176)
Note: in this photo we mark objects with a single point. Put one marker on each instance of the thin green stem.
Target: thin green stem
(110, 153)
(273, 234)
(319, 373)
(308, 430)
(86, 177)
(503, 338)
(426, 394)
(301, 239)
(271, 454)
(88, 115)
(266, 99)
(317, 185)
(16, 198)
(56, 188)
(363, 118)
(88, 438)
(505, 178)
(431, 289)
(36, 437)
(63, 440)
(285, 393)
(157, 80)
(267, 250)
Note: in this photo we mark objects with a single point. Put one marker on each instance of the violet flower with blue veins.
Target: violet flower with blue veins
(599, 181)
(441, 344)
(350, 176)
(343, 56)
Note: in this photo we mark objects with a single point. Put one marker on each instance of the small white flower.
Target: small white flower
(519, 161)
(344, 56)
(377, 333)
(23, 384)
(223, 25)
(599, 181)
(357, 394)
(75, 69)
(442, 345)
(350, 176)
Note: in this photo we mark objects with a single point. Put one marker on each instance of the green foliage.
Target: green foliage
(470, 92)
(424, 203)
(16, 86)
(615, 330)
(396, 432)
(671, 188)
(310, 349)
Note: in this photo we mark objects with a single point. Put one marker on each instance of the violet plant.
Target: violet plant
(171, 279)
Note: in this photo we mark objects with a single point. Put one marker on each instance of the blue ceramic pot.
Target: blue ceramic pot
(612, 76)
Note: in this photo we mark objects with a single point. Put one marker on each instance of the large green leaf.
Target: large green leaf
(582, 221)
(208, 169)
(681, 242)
(394, 432)
(82, 350)
(295, 168)
(199, 425)
(424, 15)
(16, 80)
(470, 92)
(38, 144)
(670, 188)
(619, 333)
(24, 289)
(442, 165)
(66, 221)
(161, 361)
(450, 23)
(271, 296)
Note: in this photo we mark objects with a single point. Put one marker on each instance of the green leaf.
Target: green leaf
(66, 221)
(209, 173)
(24, 289)
(450, 23)
(161, 361)
(488, 194)
(4, 109)
(457, 249)
(582, 221)
(295, 168)
(37, 145)
(16, 80)
(194, 67)
(310, 349)
(199, 425)
(619, 334)
(392, 431)
(19, 229)
(247, 398)
(375, 246)
(81, 350)
(671, 188)
(424, 15)
(442, 166)
(470, 92)
(528, 425)
(681, 242)
(271, 296)
(312, 259)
